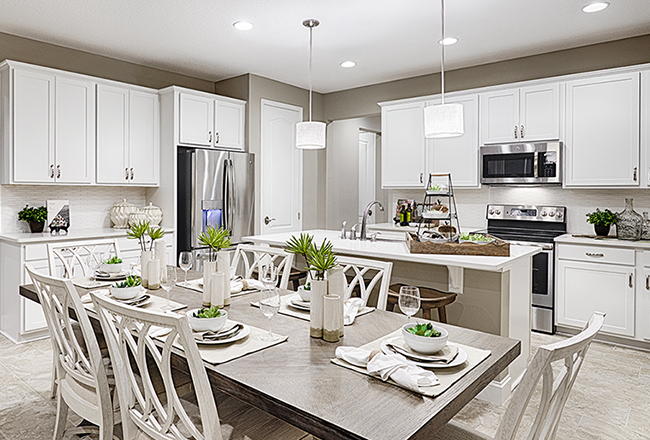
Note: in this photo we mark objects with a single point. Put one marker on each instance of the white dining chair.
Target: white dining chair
(364, 275)
(248, 258)
(556, 385)
(81, 375)
(69, 259)
(128, 333)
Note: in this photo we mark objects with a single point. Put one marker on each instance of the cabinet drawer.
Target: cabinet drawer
(646, 258)
(596, 254)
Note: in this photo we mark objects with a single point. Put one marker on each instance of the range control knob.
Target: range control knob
(491, 211)
(559, 214)
(498, 212)
(552, 213)
(543, 213)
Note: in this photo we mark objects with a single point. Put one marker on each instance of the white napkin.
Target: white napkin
(393, 366)
(350, 309)
(237, 285)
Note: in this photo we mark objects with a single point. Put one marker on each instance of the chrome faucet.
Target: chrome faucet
(366, 213)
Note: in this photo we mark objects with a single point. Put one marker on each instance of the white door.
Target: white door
(367, 172)
(229, 125)
(500, 116)
(539, 113)
(112, 134)
(144, 147)
(280, 169)
(196, 120)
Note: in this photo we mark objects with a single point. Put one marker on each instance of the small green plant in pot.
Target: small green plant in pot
(34, 216)
(127, 289)
(215, 239)
(300, 246)
(602, 220)
(321, 259)
(137, 231)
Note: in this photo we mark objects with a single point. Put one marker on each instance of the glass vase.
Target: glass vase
(645, 228)
(629, 223)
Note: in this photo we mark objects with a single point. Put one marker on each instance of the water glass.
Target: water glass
(185, 262)
(409, 300)
(169, 277)
(269, 305)
(269, 275)
(93, 262)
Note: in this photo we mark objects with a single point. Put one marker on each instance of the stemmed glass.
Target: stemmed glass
(409, 301)
(269, 305)
(168, 282)
(93, 262)
(269, 275)
(185, 262)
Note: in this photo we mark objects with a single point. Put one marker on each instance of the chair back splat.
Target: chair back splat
(249, 258)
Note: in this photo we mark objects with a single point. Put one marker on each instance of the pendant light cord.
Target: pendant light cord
(311, 30)
(442, 52)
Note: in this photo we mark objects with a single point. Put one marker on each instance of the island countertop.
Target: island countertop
(398, 250)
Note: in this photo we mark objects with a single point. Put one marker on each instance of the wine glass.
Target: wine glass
(409, 300)
(269, 275)
(269, 305)
(185, 262)
(169, 278)
(93, 263)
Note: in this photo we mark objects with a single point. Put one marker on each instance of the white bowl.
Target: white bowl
(111, 268)
(422, 344)
(305, 295)
(124, 293)
(207, 324)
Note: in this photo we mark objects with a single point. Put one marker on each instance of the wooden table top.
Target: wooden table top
(296, 382)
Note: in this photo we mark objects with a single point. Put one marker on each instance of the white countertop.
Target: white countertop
(73, 234)
(399, 251)
(605, 241)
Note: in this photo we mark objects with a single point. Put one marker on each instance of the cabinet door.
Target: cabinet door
(602, 131)
(539, 113)
(587, 287)
(458, 155)
(643, 313)
(229, 125)
(144, 145)
(500, 116)
(74, 131)
(33, 127)
(112, 134)
(402, 151)
(196, 120)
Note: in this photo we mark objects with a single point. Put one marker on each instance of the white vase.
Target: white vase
(336, 286)
(160, 253)
(318, 292)
(209, 267)
(145, 256)
(119, 214)
(216, 289)
(332, 316)
(152, 214)
(153, 274)
(136, 216)
(223, 266)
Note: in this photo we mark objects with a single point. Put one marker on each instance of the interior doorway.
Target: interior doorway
(367, 172)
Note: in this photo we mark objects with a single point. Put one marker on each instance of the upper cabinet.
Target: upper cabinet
(602, 131)
(211, 121)
(524, 114)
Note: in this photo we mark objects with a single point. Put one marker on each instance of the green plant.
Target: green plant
(307, 285)
(425, 330)
(35, 215)
(155, 234)
(299, 245)
(113, 260)
(137, 231)
(321, 258)
(215, 239)
(602, 218)
(130, 281)
(474, 237)
(212, 312)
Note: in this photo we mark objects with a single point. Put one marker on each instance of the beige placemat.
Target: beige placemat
(197, 285)
(154, 304)
(86, 283)
(446, 376)
(285, 309)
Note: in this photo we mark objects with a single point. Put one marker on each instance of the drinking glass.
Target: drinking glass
(269, 275)
(168, 283)
(93, 262)
(269, 305)
(185, 262)
(409, 300)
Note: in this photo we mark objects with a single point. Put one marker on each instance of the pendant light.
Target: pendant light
(310, 135)
(443, 120)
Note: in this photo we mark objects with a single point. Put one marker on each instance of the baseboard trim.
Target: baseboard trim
(497, 391)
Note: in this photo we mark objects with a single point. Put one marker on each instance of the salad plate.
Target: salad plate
(297, 302)
(234, 338)
(459, 360)
(105, 276)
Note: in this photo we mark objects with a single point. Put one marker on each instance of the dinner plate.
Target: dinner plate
(239, 336)
(111, 276)
(297, 302)
(128, 301)
(460, 358)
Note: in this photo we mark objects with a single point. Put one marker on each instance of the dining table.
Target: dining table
(297, 381)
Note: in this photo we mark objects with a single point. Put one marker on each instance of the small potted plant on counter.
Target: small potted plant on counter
(34, 216)
(602, 220)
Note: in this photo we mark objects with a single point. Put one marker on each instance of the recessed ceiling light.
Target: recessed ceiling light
(348, 64)
(595, 7)
(243, 25)
(448, 40)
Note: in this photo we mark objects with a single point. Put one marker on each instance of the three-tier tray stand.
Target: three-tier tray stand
(430, 199)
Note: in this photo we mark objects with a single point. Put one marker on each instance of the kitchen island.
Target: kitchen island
(494, 293)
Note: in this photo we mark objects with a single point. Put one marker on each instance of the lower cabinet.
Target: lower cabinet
(643, 313)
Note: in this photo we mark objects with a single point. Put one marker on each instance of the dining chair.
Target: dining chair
(129, 334)
(250, 257)
(556, 385)
(83, 384)
(364, 275)
(69, 259)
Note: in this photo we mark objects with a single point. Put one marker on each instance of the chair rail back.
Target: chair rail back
(252, 257)
(364, 275)
(71, 258)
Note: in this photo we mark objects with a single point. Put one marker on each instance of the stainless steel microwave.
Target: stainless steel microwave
(532, 163)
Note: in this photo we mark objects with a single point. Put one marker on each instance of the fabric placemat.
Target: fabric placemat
(154, 304)
(285, 309)
(196, 285)
(86, 283)
(446, 376)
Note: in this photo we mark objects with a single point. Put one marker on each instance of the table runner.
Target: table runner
(285, 309)
(446, 376)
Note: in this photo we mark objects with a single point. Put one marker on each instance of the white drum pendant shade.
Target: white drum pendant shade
(310, 135)
(444, 120)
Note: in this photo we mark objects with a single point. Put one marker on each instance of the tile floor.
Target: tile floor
(610, 399)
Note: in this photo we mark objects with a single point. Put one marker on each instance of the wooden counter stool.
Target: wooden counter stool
(295, 276)
(429, 299)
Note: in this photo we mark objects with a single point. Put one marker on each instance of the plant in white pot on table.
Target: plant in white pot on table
(112, 265)
(320, 259)
(300, 247)
(217, 240)
(127, 289)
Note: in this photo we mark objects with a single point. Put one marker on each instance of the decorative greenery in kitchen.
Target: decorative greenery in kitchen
(215, 239)
(321, 259)
(140, 229)
(602, 220)
(300, 245)
(34, 216)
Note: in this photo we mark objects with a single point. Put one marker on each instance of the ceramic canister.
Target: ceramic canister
(119, 214)
(152, 214)
(136, 217)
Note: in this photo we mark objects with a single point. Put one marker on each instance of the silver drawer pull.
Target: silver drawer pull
(630, 280)
(591, 254)
(647, 282)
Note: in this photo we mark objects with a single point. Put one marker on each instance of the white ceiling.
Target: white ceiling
(389, 39)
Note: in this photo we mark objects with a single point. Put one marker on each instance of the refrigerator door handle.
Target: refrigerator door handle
(230, 195)
(224, 196)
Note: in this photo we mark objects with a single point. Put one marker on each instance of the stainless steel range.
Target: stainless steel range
(537, 226)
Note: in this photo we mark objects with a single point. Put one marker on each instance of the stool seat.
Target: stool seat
(295, 276)
(429, 299)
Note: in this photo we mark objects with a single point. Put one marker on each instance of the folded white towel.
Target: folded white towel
(350, 309)
(393, 366)
(239, 284)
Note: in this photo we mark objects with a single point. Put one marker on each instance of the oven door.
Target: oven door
(543, 279)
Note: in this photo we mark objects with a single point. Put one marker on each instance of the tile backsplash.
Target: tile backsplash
(89, 205)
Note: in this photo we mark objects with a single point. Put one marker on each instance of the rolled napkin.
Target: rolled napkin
(385, 366)
(350, 309)
(239, 284)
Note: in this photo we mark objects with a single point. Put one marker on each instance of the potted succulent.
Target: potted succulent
(207, 319)
(127, 289)
(112, 265)
(602, 220)
(218, 260)
(34, 216)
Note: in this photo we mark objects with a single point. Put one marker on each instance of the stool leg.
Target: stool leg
(426, 313)
(442, 314)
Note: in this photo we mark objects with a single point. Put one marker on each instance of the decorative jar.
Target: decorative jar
(645, 228)
(137, 216)
(152, 214)
(629, 223)
(119, 214)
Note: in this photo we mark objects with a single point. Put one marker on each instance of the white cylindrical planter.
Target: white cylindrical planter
(223, 266)
(153, 273)
(216, 289)
(209, 267)
(145, 256)
(160, 253)
(332, 315)
(337, 284)
(318, 292)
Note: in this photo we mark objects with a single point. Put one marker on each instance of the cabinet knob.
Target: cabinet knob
(58, 171)
(516, 131)
(51, 171)
(630, 280)
(521, 132)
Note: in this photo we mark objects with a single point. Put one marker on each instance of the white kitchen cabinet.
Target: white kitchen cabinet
(458, 155)
(229, 124)
(196, 120)
(602, 131)
(643, 314)
(644, 175)
(403, 145)
(524, 114)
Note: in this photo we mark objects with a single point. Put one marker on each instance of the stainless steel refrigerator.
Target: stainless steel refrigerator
(215, 188)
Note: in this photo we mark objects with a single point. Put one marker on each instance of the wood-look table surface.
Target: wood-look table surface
(296, 382)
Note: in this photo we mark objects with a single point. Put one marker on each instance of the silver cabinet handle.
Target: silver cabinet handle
(216, 137)
(647, 282)
(635, 174)
(516, 131)
(210, 136)
(268, 220)
(591, 254)
(521, 132)
(131, 173)
(630, 280)
(58, 171)
(126, 172)
(51, 171)
(421, 177)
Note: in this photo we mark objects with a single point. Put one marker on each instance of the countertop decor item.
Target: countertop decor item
(645, 227)
(58, 215)
(137, 216)
(320, 259)
(119, 214)
(152, 214)
(629, 223)
(602, 220)
(34, 216)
